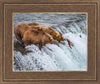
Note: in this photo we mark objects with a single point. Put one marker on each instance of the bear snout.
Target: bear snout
(50, 38)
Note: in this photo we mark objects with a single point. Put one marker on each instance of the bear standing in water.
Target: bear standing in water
(37, 37)
(56, 36)
(33, 33)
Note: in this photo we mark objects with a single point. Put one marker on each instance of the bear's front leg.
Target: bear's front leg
(40, 45)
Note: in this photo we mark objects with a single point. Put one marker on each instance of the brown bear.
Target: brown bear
(37, 37)
(21, 28)
(56, 36)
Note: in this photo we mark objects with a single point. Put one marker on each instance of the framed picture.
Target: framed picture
(49, 42)
(62, 28)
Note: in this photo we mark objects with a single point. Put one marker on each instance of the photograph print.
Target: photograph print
(49, 41)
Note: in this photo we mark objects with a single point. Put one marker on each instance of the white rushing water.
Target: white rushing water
(57, 56)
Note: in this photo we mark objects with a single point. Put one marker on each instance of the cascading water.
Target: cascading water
(57, 56)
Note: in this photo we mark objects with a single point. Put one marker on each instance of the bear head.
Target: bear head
(58, 37)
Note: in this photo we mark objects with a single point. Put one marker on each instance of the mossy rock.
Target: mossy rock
(21, 48)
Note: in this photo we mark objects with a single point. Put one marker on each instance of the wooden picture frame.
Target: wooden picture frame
(91, 76)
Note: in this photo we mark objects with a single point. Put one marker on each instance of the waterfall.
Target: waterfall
(57, 56)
